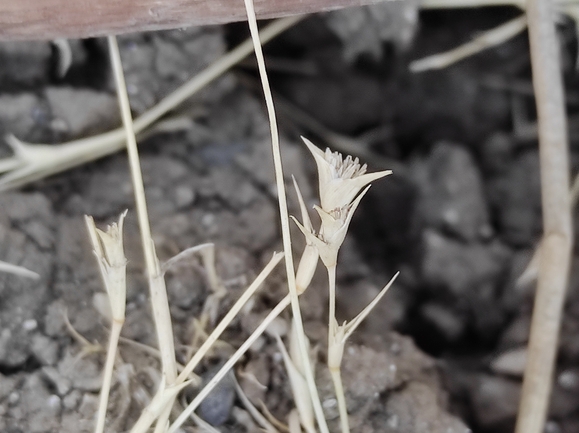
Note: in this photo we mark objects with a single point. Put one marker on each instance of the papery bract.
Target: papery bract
(340, 179)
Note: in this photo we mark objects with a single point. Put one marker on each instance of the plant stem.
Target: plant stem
(557, 239)
(332, 322)
(159, 301)
(284, 219)
(341, 397)
(334, 364)
(108, 374)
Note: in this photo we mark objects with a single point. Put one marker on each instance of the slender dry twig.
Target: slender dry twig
(158, 292)
(108, 249)
(284, 217)
(21, 271)
(485, 40)
(557, 240)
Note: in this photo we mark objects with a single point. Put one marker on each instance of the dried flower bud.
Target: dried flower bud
(332, 231)
(108, 248)
(340, 179)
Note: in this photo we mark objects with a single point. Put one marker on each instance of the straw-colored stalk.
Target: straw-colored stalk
(108, 249)
(284, 216)
(158, 292)
(557, 243)
(343, 182)
(299, 386)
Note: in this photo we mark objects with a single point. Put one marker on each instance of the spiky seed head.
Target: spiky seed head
(108, 248)
(340, 179)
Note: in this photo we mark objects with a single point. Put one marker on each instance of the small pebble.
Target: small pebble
(216, 408)
(30, 325)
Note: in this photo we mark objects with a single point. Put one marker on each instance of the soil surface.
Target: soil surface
(460, 218)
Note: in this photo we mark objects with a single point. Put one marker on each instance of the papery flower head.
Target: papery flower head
(108, 249)
(332, 231)
(341, 179)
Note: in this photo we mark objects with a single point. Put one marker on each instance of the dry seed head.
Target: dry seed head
(332, 231)
(346, 168)
(108, 248)
(340, 179)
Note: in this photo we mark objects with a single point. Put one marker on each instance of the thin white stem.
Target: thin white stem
(163, 420)
(284, 218)
(341, 397)
(159, 299)
(335, 369)
(107, 375)
(332, 322)
(229, 364)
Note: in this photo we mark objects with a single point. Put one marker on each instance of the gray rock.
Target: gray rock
(363, 30)
(26, 239)
(511, 362)
(157, 63)
(516, 197)
(24, 63)
(216, 407)
(517, 332)
(416, 409)
(449, 322)
(461, 268)
(45, 349)
(80, 112)
(62, 384)
(495, 400)
(20, 113)
(497, 153)
(72, 400)
(7, 385)
(38, 411)
(451, 192)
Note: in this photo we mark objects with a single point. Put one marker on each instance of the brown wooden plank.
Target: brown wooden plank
(51, 19)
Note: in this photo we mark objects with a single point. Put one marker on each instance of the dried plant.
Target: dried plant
(108, 249)
(342, 185)
(343, 182)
